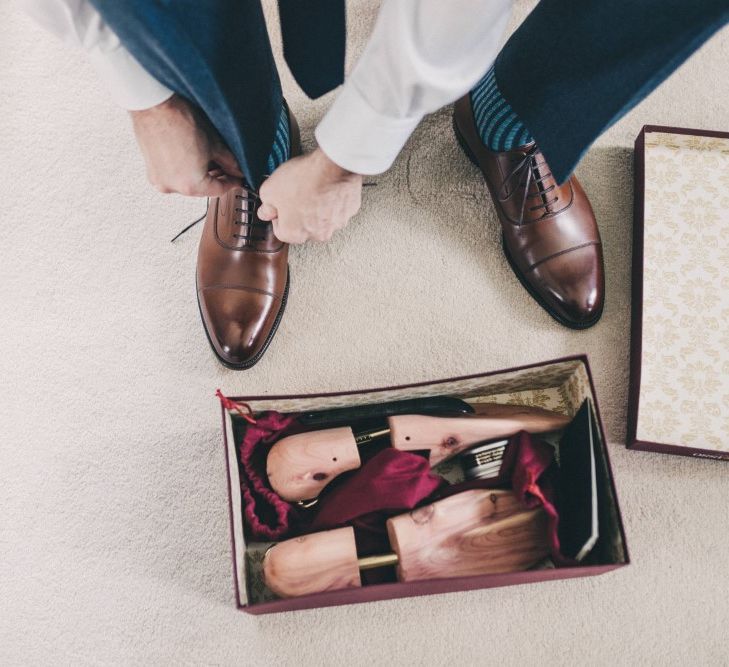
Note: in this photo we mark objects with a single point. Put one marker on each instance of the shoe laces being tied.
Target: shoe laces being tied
(520, 179)
(246, 205)
(249, 221)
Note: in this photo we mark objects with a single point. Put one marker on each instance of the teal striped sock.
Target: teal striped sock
(498, 125)
(281, 150)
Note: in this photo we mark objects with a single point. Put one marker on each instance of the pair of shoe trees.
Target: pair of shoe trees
(470, 533)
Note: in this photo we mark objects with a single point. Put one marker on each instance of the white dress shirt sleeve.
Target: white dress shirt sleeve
(422, 55)
(78, 23)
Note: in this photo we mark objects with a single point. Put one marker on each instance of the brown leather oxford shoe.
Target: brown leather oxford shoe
(242, 275)
(550, 234)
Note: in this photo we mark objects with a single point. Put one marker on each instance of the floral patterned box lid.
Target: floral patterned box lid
(679, 399)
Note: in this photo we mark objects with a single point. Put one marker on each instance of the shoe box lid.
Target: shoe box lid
(679, 387)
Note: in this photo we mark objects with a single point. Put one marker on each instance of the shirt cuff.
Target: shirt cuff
(360, 139)
(129, 84)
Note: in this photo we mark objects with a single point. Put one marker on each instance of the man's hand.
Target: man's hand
(183, 152)
(309, 197)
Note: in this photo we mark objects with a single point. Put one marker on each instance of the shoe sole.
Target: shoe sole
(570, 324)
(257, 357)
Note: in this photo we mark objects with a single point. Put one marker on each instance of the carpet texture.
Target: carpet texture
(114, 541)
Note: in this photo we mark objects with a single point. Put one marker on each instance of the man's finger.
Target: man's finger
(323, 237)
(282, 234)
(225, 159)
(267, 212)
(211, 186)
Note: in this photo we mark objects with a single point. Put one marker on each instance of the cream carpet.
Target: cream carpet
(114, 542)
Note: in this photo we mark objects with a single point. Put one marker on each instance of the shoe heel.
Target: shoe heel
(462, 143)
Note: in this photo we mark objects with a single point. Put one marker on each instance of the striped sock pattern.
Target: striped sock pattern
(281, 143)
(498, 125)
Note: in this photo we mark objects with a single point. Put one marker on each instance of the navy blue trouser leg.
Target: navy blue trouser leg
(216, 54)
(574, 68)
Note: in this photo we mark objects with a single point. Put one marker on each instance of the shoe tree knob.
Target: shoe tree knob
(300, 466)
(312, 563)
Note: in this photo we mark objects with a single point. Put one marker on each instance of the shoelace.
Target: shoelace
(527, 170)
(192, 224)
(248, 222)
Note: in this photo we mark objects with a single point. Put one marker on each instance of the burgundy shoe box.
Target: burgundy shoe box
(561, 385)
(679, 390)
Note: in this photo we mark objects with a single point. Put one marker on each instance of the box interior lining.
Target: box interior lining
(684, 377)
